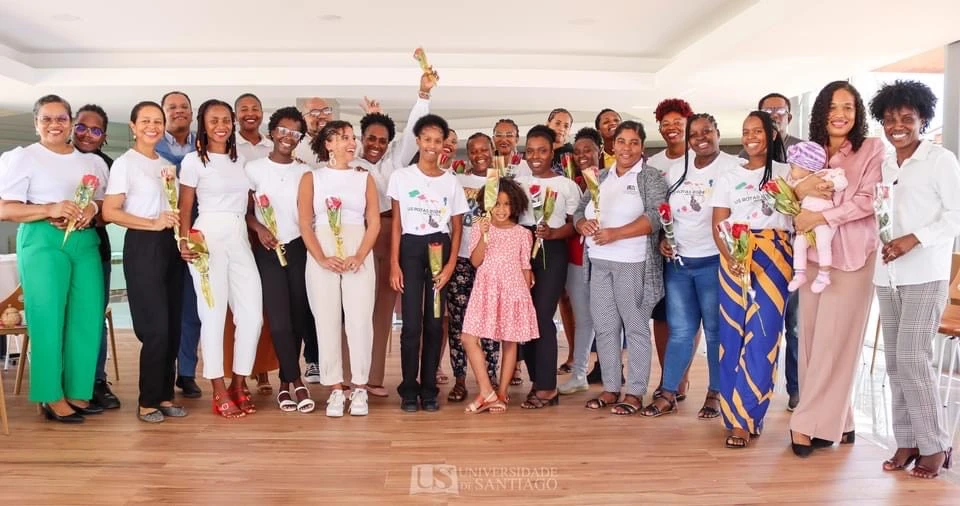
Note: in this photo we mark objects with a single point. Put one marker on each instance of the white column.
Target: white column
(951, 98)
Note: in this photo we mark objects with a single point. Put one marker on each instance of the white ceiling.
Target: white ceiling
(497, 59)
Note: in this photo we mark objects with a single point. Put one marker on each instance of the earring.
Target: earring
(333, 159)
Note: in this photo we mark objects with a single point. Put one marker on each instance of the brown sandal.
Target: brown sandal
(458, 393)
(625, 408)
(891, 464)
(653, 410)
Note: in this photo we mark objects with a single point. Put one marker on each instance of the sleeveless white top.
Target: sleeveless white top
(350, 186)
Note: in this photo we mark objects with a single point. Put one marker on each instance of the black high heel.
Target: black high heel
(802, 451)
(847, 438)
(50, 414)
(91, 409)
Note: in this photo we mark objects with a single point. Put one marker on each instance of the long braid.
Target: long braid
(775, 151)
(203, 138)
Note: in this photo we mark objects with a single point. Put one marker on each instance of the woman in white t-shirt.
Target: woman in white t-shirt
(152, 265)
(334, 202)
(691, 284)
(753, 293)
(214, 176)
(276, 181)
(61, 276)
(430, 203)
(550, 263)
(626, 269)
(480, 153)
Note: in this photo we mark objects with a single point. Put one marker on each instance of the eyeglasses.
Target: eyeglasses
(320, 112)
(776, 111)
(285, 132)
(81, 129)
(46, 120)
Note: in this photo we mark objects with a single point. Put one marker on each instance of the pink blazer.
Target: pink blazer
(852, 215)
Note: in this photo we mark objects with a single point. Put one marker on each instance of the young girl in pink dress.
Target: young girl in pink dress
(500, 306)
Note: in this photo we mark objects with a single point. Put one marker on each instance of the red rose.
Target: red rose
(263, 201)
(333, 203)
(458, 166)
(771, 187)
(665, 211)
(739, 229)
(534, 189)
(515, 160)
(443, 158)
(90, 180)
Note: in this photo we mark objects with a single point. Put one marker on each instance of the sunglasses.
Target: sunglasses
(80, 128)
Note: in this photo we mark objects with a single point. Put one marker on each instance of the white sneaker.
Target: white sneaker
(573, 385)
(358, 402)
(335, 404)
(313, 373)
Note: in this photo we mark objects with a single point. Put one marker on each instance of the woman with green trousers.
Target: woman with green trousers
(60, 273)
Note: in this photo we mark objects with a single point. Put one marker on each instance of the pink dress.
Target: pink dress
(500, 306)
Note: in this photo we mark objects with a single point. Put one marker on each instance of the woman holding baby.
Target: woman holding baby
(833, 318)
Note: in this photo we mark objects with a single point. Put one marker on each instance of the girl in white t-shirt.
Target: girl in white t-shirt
(152, 265)
(692, 286)
(61, 276)
(550, 263)
(339, 219)
(276, 178)
(746, 371)
(480, 152)
(429, 202)
(214, 176)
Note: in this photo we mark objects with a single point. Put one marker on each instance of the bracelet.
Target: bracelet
(424, 95)
(96, 208)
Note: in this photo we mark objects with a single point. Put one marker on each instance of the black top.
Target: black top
(102, 228)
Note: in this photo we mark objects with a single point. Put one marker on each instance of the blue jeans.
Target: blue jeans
(189, 330)
(790, 335)
(692, 296)
(101, 373)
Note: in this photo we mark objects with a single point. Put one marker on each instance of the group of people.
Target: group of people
(303, 239)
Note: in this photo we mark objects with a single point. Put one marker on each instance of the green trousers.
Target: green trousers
(63, 301)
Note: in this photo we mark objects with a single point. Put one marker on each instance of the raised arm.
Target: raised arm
(404, 147)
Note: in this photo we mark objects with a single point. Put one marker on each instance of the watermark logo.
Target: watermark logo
(434, 479)
(452, 480)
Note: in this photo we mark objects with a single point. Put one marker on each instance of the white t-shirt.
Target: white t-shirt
(280, 182)
(349, 185)
(568, 197)
(690, 204)
(426, 203)
(36, 175)
(663, 163)
(140, 180)
(738, 189)
(620, 204)
(254, 151)
(305, 154)
(222, 185)
(473, 191)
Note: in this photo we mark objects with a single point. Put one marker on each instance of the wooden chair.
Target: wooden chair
(3, 408)
(950, 328)
(18, 382)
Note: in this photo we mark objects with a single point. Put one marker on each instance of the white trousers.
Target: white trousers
(234, 282)
(342, 300)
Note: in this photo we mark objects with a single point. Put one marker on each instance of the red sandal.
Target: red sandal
(243, 400)
(226, 407)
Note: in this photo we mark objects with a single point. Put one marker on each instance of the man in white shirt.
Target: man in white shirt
(251, 144)
(317, 113)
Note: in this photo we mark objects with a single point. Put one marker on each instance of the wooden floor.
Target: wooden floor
(560, 455)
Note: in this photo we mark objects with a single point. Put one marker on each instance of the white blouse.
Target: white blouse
(280, 182)
(427, 203)
(222, 185)
(36, 175)
(620, 204)
(349, 185)
(140, 180)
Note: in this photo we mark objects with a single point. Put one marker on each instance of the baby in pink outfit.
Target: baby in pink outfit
(805, 159)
